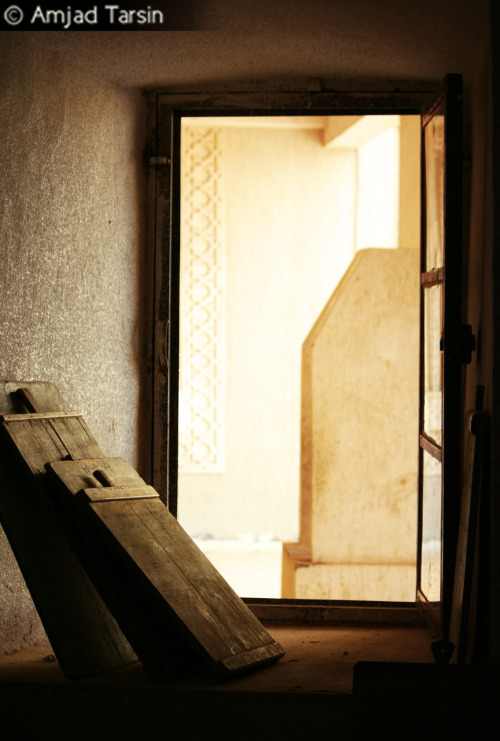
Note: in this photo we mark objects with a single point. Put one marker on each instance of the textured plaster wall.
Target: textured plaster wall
(71, 245)
(19, 621)
(353, 43)
(71, 225)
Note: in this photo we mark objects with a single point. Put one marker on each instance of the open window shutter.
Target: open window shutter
(443, 351)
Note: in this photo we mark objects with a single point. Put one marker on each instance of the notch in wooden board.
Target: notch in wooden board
(99, 473)
(27, 399)
(30, 396)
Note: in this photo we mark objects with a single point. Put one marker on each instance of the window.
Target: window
(169, 112)
(444, 350)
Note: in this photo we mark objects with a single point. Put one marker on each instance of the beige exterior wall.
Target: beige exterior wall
(295, 205)
(289, 207)
(409, 182)
(370, 582)
(377, 207)
(359, 436)
(363, 413)
(289, 213)
(363, 410)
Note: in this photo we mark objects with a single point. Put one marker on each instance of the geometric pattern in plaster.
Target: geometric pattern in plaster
(202, 270)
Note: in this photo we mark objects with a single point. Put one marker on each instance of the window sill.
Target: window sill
(319, 658)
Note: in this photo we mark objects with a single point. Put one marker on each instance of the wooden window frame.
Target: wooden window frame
(166, 109)
(448, 453)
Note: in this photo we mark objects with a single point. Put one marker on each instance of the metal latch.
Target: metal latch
(156, 161)
(464, 345)
(467, 344)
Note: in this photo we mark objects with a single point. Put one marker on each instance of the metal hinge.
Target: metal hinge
(157, 161)
(164, 345)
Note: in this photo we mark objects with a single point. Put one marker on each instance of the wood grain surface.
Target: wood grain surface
(146, 549)
(84, 635)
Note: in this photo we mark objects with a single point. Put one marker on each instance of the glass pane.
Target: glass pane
(430, 575)
(434, 187)
(433, 362)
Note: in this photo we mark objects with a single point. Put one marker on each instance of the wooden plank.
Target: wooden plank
(184, 571)
(432, 278)
(161, 648)
(80, 475)
(218, 622)
(44, 395)
(39, 415)
(431, 447)
(172, 578)
(462, 617)
(84, 635)
(40, 441)
(118, 493)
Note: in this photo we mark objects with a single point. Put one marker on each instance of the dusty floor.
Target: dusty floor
(318, 659)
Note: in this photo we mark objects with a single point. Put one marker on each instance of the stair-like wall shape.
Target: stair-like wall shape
(360, 437)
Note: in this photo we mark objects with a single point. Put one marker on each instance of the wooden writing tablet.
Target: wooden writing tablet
(84, 635)
(158, 571)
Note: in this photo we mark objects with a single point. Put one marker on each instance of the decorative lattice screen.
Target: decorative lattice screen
(201, 301)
